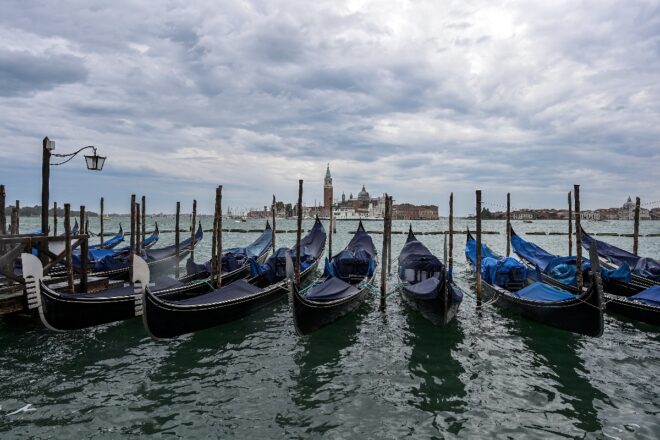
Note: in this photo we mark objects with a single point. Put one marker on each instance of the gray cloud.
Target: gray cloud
(417, 101)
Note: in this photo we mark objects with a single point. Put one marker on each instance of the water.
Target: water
(369, 375)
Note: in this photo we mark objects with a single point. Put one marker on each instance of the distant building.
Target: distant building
(627, 212)
(521, 215)
(408, 211)
(590, 215)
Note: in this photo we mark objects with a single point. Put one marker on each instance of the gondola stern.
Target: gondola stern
(292, 293)
(33, 272)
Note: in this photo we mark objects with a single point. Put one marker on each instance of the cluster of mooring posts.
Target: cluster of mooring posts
(58, 252)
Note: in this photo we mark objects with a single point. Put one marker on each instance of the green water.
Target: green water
(372, 374)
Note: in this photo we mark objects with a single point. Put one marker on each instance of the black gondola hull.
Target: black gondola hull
(633, 310)
(310, 316)
(582, 315)
(440, 310)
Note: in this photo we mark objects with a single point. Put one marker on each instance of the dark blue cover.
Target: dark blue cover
(418, 257)
(642, 266)
(471, 252)
(543, 293)
(503, 271)
(111, 242)
(331, 289)
(357, 258)
(236, 290)
(424, 290)
(529, 251)
(257, 247)
(564, 269)
(650, 296)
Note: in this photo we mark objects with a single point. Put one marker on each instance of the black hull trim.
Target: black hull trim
(309, 316)
(440, 311)
(164, 320)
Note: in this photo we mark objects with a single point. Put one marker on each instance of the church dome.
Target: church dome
(363, 195)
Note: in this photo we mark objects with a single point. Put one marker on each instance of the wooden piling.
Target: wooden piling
(508, 224)
(18, 219)
(132, 243)
(14, 221)
(84, 249)
(192, 229)
(219, 245)
(67, 247)
(3, 218)
(389, 238)
(273, 215)
(383, 273)
(214, 240)
(330, 235)
(101, 224)
(636, 227)
(144, 221)
(177, 239)
(478, 268)
(451, 230)
(298, 232)
(54, 219)
(138, 229)
(578, 239)
(570, 225)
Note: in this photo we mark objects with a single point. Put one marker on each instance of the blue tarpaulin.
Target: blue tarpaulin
(357, 258)
(650, 296)
(427, 289)
(503, 271)
(543, 292)
(331, 289)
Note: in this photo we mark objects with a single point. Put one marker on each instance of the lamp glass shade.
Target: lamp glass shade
(94, 162)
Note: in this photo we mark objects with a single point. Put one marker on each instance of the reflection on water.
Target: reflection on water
(440, 389)
(558, 362)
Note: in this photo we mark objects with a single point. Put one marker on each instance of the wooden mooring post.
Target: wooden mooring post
(273, 215)
(508, 224)
(177, 239)
(636, 227)
(478, 268)
(131, 253)
(193, 222)
(298, 233)
(383, 272)
(18, 219)
(578, 240)
(570, 225)
(3, 218)
(330, 233)
(14, 221)
(451, 231)
(143, 222)
(67, 247)
(219, 244)
(54, 219)
(84, 249)
(214, 240)
(138, 239)
(389, 235)
(102, 213)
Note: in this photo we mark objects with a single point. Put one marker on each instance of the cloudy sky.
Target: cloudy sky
(412, 98)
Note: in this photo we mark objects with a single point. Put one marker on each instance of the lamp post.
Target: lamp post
(94, 163)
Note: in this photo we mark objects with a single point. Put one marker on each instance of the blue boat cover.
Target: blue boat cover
(331, 289)
(418, 257)
(563, 269)
(236, 290)
(642, 266)
(234, 258)
(529, 251)
(111, 242)
(650, 296)
(426, 289)
(150, 240)
(543, 293)
(471, 252)
(356, 259)
(501, 272)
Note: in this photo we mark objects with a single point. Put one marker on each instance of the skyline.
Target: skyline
(413, 99)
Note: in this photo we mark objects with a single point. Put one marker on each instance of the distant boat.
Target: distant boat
(527, 221)
(106, 217)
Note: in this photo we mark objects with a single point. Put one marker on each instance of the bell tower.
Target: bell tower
(327, 192)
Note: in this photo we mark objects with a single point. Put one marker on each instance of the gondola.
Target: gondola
(162, 261)
(165, 318)
(346, 283)
(507, 283)
(112, 242)
(426, 284)
(623, 294)
(644, 270)
(69, 311)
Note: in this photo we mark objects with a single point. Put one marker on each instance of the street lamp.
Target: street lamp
(94, 162)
